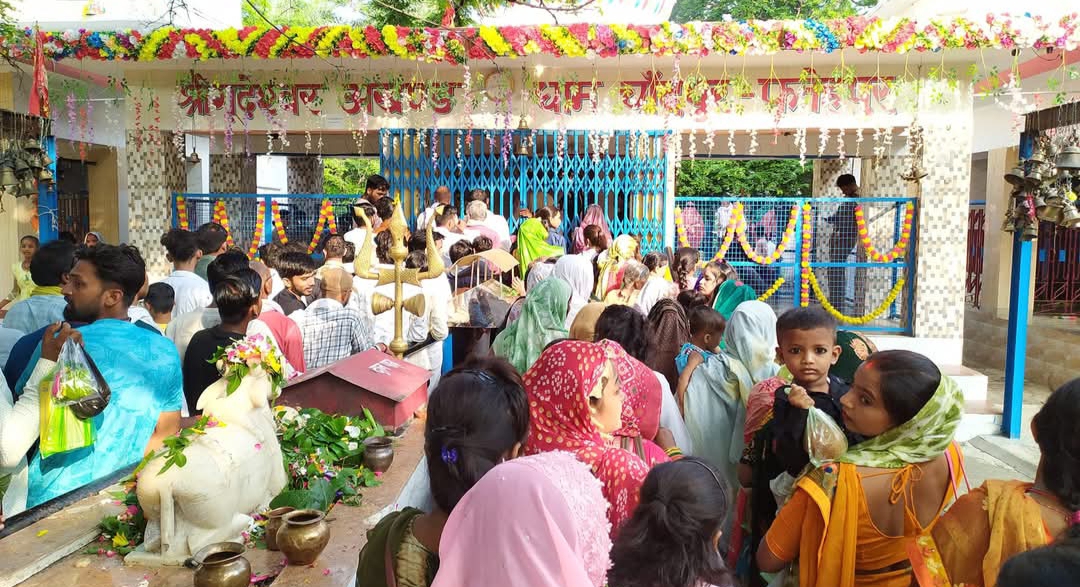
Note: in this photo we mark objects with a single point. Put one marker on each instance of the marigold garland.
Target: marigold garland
(804, 263)
(893, 293)
(279, 226)
(901, 246)
(772, 290)
(221, 216)
(326, 217)
(260, 223)
(680, 230)
(785, 241)
(895, 35)
(182, 214)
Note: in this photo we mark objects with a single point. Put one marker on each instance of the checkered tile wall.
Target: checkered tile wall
(232, 174)
(154, 171)
(305, 175)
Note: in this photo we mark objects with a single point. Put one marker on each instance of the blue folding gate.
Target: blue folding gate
(625, 172)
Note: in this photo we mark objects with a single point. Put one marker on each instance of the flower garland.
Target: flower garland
(772, 289)
(733, 37)
(899, 249)
(804, 263)
(729, 234)
(326, 216)
(221, 216)
(680, 230)
(873, 314)
(785, 241)
(260, 223)
(182, 213)
(279, 226)
(238, 359)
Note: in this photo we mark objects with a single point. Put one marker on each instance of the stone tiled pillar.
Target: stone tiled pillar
(305, 175)
(942, 228)
(154, 172)
(235, 174)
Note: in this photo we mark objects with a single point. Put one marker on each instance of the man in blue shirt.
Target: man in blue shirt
(141, 367)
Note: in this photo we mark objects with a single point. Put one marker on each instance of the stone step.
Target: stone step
(981, 418)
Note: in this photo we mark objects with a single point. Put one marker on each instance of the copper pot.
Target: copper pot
(273, 524)
(378, 453)
(303, 536)
(221, 564)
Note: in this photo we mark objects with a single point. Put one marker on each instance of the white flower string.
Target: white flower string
(823, 141)
(731, 142)
(753, 142)
(840, 146)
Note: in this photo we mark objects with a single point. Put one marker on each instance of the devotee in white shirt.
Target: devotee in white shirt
(493, 221)
(190, 292)
(477, 214)
(442, 198)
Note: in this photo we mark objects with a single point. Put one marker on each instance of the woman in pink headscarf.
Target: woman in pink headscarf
(574, 400)
(594, 215)
(535, 521)
(641, 406)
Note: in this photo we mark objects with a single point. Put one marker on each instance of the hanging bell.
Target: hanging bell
(1068, 158)
(1031, 231)
(1033, 180)
(1016, 176)
(32, 145)
(21, 164)
(27, 187)
(1040, 204)
(7, 177)
(1071, 216)
(45, 175)
(46, 161)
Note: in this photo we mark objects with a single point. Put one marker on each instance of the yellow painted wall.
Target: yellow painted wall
(102, 175)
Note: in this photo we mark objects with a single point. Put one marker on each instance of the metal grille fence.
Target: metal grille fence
(854, 281)
(299, 214)
(975, 248)
(1057, 272)
(624, 172)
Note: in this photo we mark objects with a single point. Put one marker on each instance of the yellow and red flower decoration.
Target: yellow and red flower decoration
(182, 220)
(221, 216)
(260, 223)
(326, 220)
(279, 226)
(899, 249)
(455, 45)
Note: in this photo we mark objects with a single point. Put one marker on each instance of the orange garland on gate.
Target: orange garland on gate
(898, 250)
(785, 241)
(279, 226)
(804, 263)
(326, 216)
(221, 216)
(260, 222)
(181, 213)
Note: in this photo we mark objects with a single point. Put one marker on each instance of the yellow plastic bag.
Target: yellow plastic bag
(61, 429)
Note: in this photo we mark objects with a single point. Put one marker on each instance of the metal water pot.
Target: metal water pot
(221, 564)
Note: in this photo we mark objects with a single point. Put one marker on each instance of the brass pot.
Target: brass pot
(378, 453)
(303, 536)
(273, 524)
(221, 564)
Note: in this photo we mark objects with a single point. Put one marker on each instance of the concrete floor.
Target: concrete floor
(996, 457)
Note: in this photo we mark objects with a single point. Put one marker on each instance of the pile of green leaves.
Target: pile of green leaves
(323, 458)
(122, 533)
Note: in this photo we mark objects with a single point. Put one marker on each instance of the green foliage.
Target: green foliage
(755, 177)
(122, 533)
(323, 458)
(410, 13)
(714, 10)
(347, 176)
(291, 12)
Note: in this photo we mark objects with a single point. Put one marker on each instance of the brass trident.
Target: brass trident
(398, 274)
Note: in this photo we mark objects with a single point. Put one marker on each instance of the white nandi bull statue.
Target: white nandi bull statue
(232, 470)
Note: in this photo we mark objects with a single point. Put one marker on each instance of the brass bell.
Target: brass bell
(46, 161)
(1068, 158)
(1033, 180)
(45, 175)
(7, 177)
(1031, 231)
(1016, 176)
(32, 145)
(27, 187)
(1071, 216)
(21, 165)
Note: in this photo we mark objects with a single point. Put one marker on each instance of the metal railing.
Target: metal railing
(852, 282)
(975, 251)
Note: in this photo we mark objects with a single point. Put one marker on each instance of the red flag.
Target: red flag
(39, 93)
(448, 16)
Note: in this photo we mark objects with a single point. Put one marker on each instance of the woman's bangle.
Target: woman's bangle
(674, 453)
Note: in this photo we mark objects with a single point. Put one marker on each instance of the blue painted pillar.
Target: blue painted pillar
(447, 353)
(48, 205)
(1016, 343)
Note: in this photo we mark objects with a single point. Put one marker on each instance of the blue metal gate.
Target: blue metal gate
(625, 172)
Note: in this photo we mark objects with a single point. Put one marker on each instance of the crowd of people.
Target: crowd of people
(641, 419)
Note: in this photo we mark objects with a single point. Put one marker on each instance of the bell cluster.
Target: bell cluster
(23, 163)
(1044, 189)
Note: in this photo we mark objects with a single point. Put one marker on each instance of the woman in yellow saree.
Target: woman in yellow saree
(849, 523)
(1000, 519)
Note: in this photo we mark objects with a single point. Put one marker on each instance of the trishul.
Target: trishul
(398, 274)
